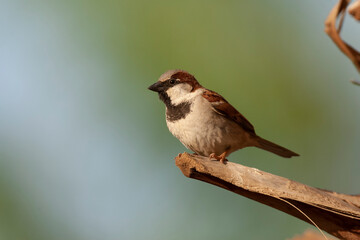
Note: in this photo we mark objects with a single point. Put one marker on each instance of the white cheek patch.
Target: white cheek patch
(179, 93)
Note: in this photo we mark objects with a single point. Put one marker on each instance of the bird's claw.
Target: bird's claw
(220, 158)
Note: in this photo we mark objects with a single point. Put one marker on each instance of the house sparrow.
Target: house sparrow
(204, 121)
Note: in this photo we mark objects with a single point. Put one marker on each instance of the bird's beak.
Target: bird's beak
(156, 87)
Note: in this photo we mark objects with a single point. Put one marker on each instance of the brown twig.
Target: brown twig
(339, 11)
(354, 10)
(356, 82)
(337, 214)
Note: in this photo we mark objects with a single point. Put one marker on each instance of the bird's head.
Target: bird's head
(175, 86)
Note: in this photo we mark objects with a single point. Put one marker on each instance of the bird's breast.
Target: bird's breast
(203, 130)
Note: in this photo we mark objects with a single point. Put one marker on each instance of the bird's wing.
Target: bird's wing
(222, 107)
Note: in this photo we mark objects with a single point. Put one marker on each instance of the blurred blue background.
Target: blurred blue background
(84, 149)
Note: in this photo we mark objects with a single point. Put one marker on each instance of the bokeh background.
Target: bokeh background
(84, 149)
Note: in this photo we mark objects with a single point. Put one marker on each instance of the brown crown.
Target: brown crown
(183, 76)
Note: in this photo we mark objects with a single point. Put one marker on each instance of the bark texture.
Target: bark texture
(338, 214)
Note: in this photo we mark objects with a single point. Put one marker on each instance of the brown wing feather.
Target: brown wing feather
(222, 107)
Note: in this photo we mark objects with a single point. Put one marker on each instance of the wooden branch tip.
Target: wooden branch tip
(356, 82)
(337, 214)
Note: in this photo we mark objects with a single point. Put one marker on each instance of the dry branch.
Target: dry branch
(354, 10)
(338, 12)
(337, 214)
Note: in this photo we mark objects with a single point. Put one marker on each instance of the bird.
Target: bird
(204, 121)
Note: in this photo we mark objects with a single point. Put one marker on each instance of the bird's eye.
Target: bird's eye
(172, 81)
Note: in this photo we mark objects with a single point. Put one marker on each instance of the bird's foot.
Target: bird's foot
(220, 158)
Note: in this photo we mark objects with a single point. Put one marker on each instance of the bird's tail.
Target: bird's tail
(274, 148)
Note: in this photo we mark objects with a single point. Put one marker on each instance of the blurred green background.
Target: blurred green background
(85, 153)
